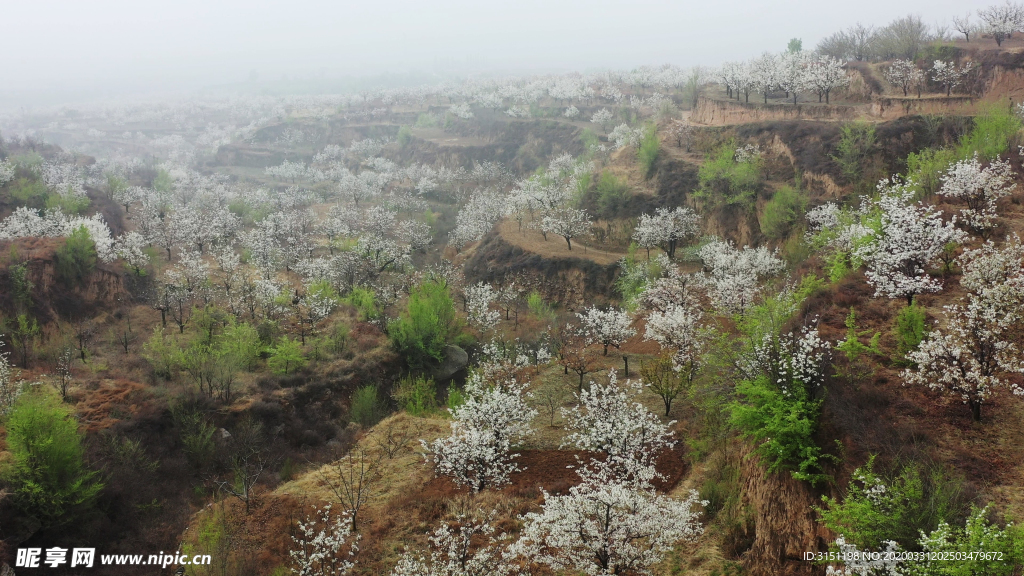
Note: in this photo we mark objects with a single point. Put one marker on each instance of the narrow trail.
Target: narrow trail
(554, 247)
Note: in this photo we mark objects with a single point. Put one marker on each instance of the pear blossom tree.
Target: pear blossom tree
(1001, 21)
(568, 223)
(131, 247)
(478, 453)
(603, 118)
(949, 74)
(904, 74)
(975, 351)
(666, 228)
(605, 526)
(963, 25)
(980, 188)
(324, 546)
(733, 277)
(606, 327)
(479, 298)
(825, 74)
(681, 332)
(455, 552)
(609, 420)
(910, 239)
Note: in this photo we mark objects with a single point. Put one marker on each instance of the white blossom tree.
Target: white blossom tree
(949, 74)
(609, 420)
(980, 188)
(904, 74)
(603, 118)
(971, 354)
(733, 277)
(478, 305)
(1001, 21)
(666, 228)
(568, 223)
(454, 551)
(478, 453)
(911, 237)
(324, 546)
(825, 74)
(131, 247)
(605, 526)
(606, 327)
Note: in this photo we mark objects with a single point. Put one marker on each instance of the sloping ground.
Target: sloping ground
(572, 281)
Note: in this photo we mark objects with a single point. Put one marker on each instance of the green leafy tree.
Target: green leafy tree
(76, 258)
(242, 341)
(426, 326)
(47, 473)
(910, 329)
(648, 150)
(782, 212)
(856, 141)
(286, 357)
(24, 331)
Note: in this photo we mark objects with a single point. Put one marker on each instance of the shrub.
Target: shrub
(723, 179)
(898, 507)
(856, 140)
(47, 473)
(786, 207)
(455, 398)
(612, 194)
(196, 435)
(404, 136)
(365, 303)
(29, 192)
(427, 325)
(539, 307)
(417, 395)
(366, 407)
(76, 258)
(992, 134)
(242, 342)
(648, 150)
(67, 203)
(782, 426)
(286, 357)
(162, 353)
(909, 330)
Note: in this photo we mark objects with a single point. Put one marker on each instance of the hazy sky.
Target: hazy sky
(65, 47)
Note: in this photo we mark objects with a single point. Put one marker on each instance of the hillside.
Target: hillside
(660, 321)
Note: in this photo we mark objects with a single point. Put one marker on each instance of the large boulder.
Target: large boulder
(455, 359)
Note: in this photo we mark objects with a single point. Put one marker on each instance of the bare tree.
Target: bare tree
(393, 439)
(963, 25)
(352, 477)
(248, 462)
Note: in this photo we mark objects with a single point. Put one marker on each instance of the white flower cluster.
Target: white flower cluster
(680, 329)
(666, 228)
(324, 546)
(788, 360)
(609, 327)
(732, 277)
(911, 237)
(7, 171)
(457, 552)
(606, 526)
(478, 303)
(609, 420)
(980, 188)
(461, 110)
(622, 135)
(26, 222)
(484, 430)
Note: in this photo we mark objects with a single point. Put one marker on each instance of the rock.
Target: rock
(455, 359)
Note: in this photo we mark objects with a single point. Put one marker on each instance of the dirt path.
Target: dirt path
(555, 246)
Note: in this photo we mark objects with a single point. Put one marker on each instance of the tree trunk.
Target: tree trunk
(976, 410)
(569, 242)
(625, 359)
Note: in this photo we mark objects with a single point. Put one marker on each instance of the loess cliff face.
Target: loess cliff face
(50, 297)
